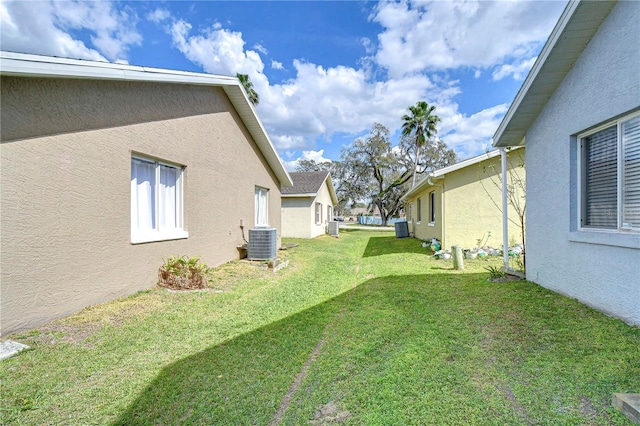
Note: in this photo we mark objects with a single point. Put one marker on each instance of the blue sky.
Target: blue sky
(325, 70)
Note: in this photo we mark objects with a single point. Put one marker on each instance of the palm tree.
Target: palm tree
(254, 98)
(421, 123)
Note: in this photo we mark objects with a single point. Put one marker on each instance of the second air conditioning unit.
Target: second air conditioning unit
(263, 243)
(333, 228)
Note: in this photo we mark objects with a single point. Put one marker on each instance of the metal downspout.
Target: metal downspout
(430, 182)
(505, 213)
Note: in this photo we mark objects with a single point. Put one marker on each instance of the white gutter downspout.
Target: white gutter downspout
(430, 182)
(505, 213)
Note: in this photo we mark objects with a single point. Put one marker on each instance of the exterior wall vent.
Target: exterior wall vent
(334, 228)
(262, 243)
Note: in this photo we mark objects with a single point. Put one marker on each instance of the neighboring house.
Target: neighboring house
(308, 205)
(578, 112)
(460, 204)
(109, 168)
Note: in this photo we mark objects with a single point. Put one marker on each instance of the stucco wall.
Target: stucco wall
(423, 229)
(65, 190)
(299, 215)
(601, 270)
(471, 205)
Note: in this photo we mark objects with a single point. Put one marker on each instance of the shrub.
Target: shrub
(495, 272)
(183, 273)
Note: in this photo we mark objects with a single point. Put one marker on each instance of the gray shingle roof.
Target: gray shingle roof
(305, 182)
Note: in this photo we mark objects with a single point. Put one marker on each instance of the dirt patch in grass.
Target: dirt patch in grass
(330, 414)
(79, 328)
(230, 275)
(507, 278)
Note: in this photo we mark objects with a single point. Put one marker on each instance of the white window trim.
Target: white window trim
(149, 236)
(318, 213)
(418, 211)
(259, 190)
(580, 193)
(410, 218)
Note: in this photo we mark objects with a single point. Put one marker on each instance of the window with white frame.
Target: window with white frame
(262, 206)
(318, 213)
(609, 171)
(432, 207)
(156, 200)
(329, 213)
(419, 210)
(410, 216)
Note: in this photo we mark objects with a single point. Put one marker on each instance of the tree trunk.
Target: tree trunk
(415, 164)
(383, 215)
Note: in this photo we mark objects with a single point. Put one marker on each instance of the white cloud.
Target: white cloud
(318, 102)
(368, 45)
(469, 135)
(159, 15)
(438, 35)
(517, 71)
(45, 28)
(317, 156)
(277, 65)
(218, 51)
(260, 48)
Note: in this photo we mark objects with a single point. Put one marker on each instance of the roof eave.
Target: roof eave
(300, 195)
(553, 63)
(26, 65)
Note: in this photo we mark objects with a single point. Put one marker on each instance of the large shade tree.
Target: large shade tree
(374, 171)
(253, 96)
(420, 124)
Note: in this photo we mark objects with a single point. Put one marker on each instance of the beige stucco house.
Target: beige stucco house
(460, 204)
(108, 168)
(307, 206)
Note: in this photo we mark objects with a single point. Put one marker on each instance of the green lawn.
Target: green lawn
(364, 329)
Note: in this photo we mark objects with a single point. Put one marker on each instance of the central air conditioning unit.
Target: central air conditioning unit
(334, 228)
(262, 243)
(402, 230)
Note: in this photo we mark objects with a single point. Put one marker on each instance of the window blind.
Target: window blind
(631, 173)
(601, 179)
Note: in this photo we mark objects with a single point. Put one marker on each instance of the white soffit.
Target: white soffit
(578, 23)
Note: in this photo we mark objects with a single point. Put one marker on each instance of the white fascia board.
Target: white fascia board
(465, 163)
(332, 190)
(247, 112)
(45, 66)
(303, 195)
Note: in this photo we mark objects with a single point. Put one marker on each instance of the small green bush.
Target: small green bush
(183, 273)
(495, 272)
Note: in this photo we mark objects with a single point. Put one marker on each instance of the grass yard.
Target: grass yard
(366, 329)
